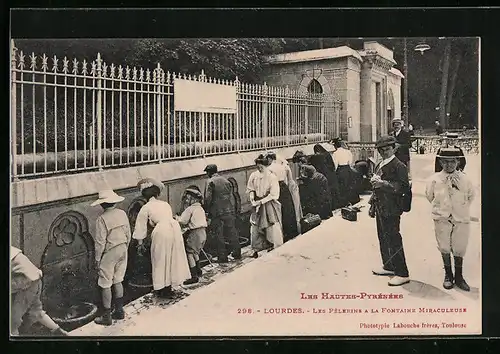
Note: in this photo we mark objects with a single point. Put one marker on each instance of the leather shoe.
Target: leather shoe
(397, 281)
(383, 272)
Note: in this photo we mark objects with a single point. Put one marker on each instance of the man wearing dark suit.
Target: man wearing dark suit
(389, 182)
(221, 208)
(403, 143)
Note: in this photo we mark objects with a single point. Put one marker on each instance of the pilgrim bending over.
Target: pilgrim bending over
(220, 206)
(265, 221)
(314, 193)
(26, 288)
(323, 163)
(168, 256)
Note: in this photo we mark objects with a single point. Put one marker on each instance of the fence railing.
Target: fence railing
(68, 116)
(431, 144)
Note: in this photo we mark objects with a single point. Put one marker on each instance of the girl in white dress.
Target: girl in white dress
(168, 255)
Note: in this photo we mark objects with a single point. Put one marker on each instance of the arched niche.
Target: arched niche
(133, 210)
(314, 81)
(236, 195)
(314, 87)
(138, 265)
(334, 118)
(68, 262)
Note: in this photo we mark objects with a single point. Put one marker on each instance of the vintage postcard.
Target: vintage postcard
(245, 187)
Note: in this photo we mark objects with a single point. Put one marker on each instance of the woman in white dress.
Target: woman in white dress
(168, 255)
(263, 189)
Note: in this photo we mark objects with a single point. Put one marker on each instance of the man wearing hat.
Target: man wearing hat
(389, 183)
(194, 221)
(221, 208)
(112, 237)
(403, 142)
(451, 193)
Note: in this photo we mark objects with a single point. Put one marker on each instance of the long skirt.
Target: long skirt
(346, 186)
(295, 192)
(266, 229)
(288, 216)
(168, 255)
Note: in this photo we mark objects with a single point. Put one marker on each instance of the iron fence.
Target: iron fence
(69, 116)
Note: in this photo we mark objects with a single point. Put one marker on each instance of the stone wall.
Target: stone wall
(338, 78)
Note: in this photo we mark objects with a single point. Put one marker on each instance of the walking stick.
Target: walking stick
(206, 256)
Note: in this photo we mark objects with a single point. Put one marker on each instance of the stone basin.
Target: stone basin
(76, 315)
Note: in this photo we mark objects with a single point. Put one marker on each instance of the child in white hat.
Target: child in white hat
(451, 193)
(111, 246)
(194, 220)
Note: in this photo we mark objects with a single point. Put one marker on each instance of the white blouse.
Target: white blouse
(263, 183)
(447, 201)
(154, 212)
(342, 157)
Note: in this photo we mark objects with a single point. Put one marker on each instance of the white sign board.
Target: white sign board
(195, 96)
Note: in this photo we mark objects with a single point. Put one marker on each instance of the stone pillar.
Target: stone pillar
(366, 102)
(353, 99)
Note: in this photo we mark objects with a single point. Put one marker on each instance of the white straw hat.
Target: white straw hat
(108, 196)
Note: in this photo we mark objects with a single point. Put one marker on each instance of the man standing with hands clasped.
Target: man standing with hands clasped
(389, 183)
(403, 143)
(451, 193)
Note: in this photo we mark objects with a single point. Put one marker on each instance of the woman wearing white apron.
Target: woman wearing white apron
(168, 255)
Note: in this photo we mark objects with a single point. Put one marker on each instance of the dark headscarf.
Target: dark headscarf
(337, 142)
(271, 155)
(261, 160)
(318, 149)
(299, 156)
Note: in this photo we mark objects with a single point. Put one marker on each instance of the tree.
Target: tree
(220, 58)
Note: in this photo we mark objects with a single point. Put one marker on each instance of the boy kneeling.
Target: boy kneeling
(193, 219)
(111, 245)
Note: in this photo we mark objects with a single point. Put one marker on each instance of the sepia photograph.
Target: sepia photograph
(232, 187)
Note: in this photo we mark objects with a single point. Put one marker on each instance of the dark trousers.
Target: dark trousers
(391, 244)
(224, 228)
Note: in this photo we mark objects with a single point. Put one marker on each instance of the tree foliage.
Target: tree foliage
(221, 58)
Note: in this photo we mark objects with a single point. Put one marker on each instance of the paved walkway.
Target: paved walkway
(335, 258)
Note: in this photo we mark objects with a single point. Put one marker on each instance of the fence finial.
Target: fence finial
(45, 64)
(33, 61)
(54, 63)
(65, 65)
(75, 66)
(13, 50)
